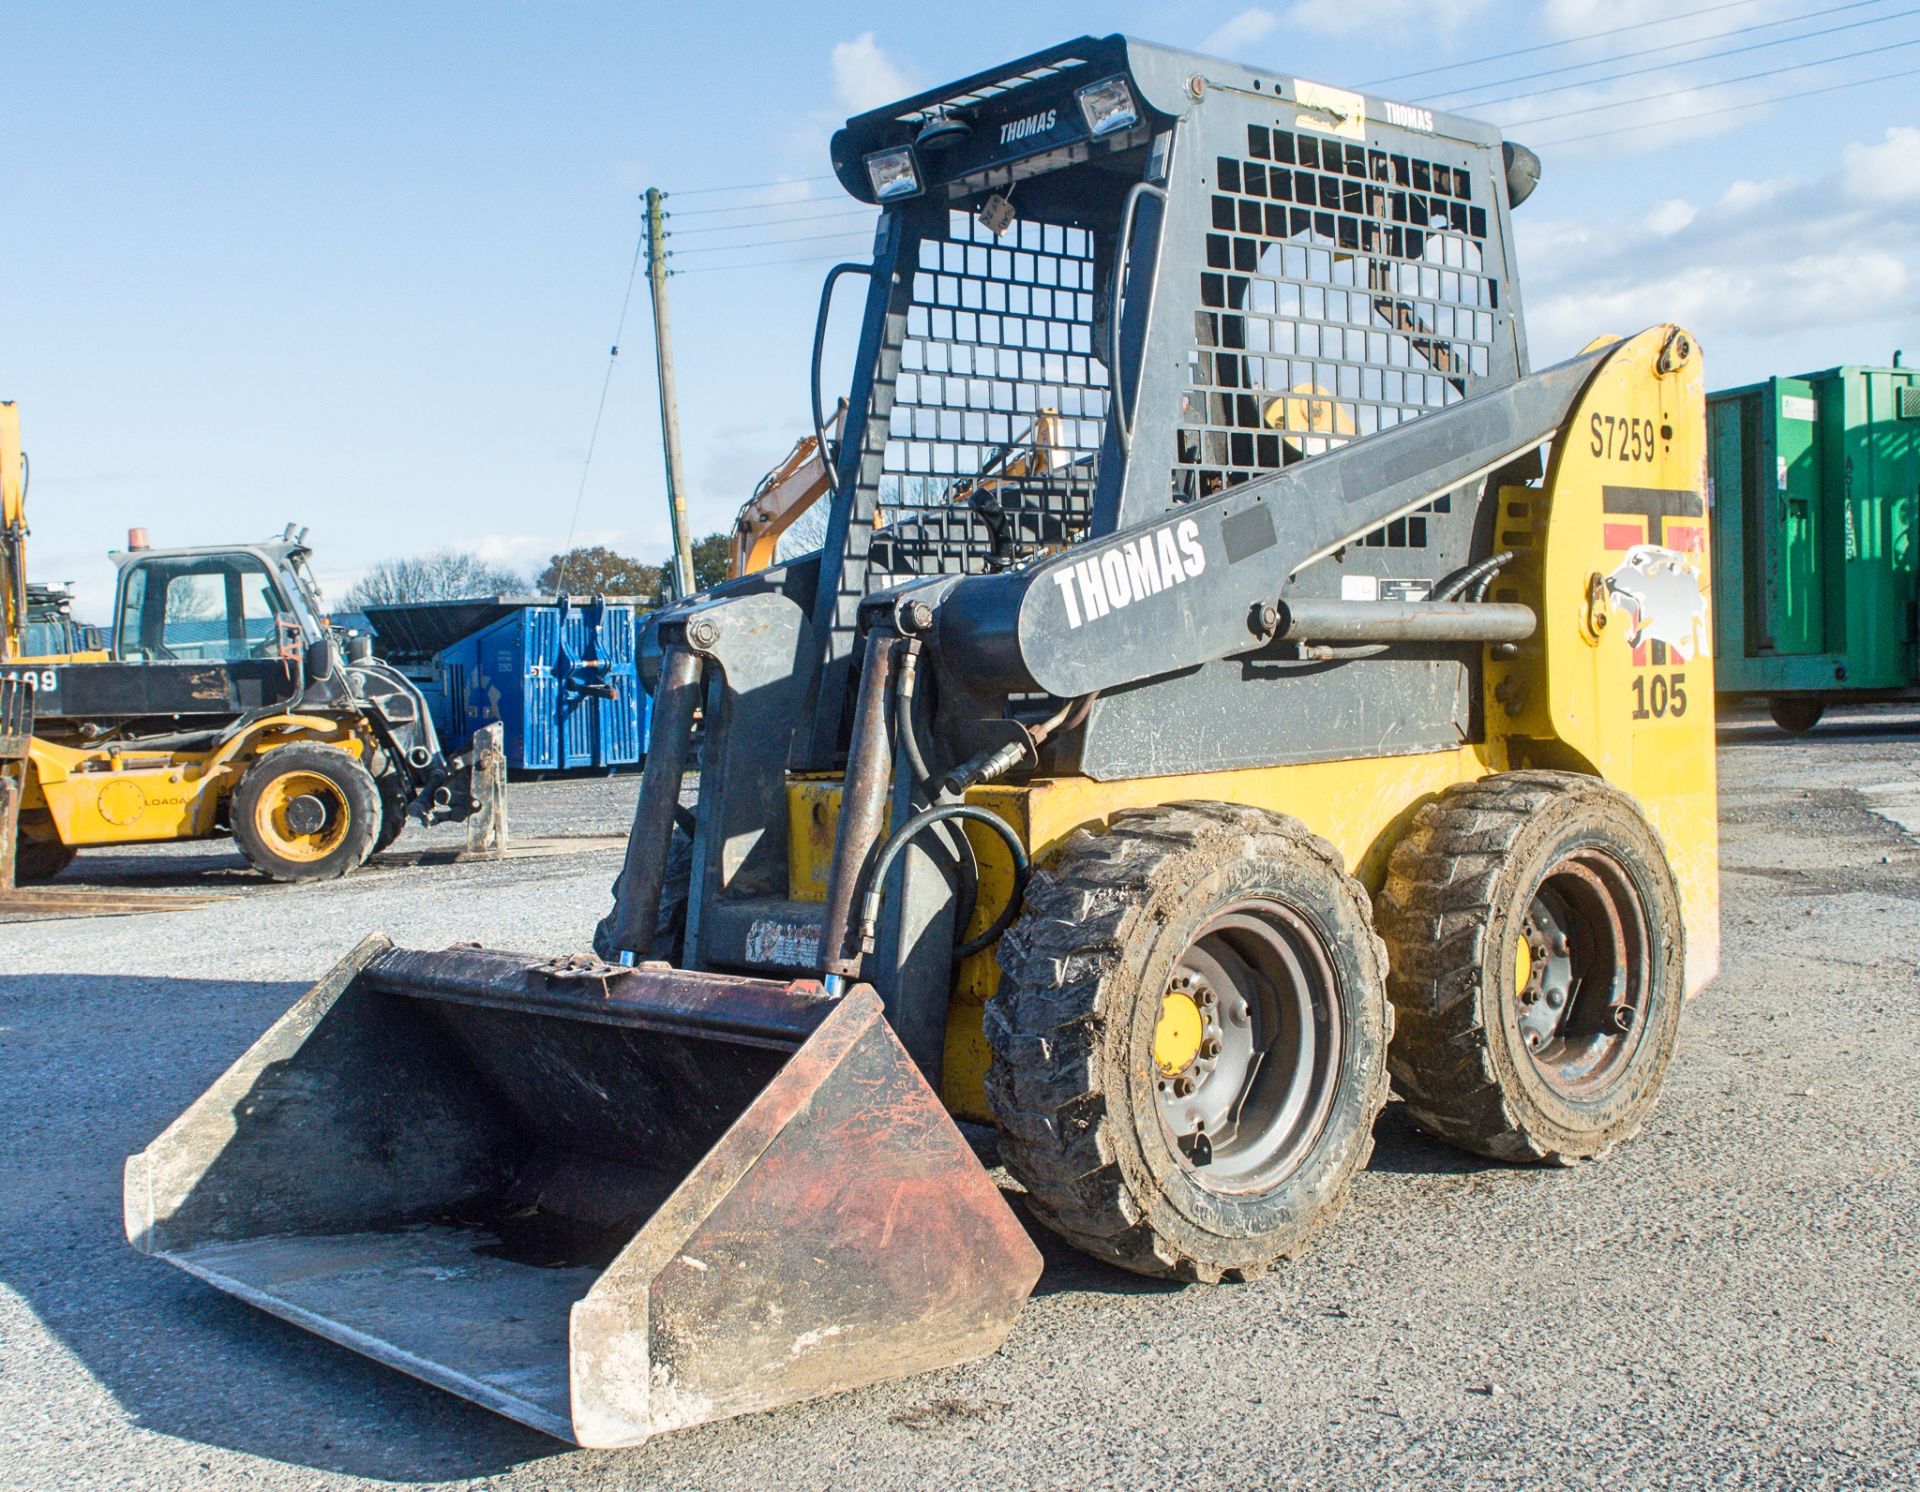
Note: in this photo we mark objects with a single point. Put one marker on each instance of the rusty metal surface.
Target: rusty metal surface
(603, 1201)
(863, 807)
(50, 903)
(636, 903)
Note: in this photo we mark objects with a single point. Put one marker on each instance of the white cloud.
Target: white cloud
(864, 76)
(1248, 29)
(1344, 17)
(1887, 172)
(1669, 217)
(1766, 258)
(1745, 196)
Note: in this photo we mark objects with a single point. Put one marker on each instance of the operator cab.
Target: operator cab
(214, 605)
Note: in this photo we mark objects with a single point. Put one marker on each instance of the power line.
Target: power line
(1548, 46)
(721, 269)
(707, 212)
(1672, 46)
(606, 382)
(1758, 103)
(1636, 72)
(819, 217)
(1771, 72)
(769, 243)
(751, 186)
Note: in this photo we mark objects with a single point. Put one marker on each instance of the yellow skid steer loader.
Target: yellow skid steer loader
(1330, 711)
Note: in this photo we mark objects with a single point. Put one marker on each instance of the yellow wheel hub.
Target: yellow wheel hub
(1176, 1039)
(285, 816)
(1522, 964)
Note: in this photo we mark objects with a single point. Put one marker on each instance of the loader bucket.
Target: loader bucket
(605, 1202)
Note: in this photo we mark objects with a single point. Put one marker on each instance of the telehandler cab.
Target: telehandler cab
(1161, 805)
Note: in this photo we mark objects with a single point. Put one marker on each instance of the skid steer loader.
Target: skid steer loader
(1285, 741)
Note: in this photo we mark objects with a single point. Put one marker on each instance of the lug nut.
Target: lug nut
(1184, 1087)
(1210, 1047)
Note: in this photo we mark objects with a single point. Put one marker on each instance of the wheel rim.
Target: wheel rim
(302, 816)
(1582, 973)
(1243, 1100)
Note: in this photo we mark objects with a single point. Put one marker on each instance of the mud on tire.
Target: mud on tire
(1482, 1053)
(1079, 1084)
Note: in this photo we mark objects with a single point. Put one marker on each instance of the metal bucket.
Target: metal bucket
(604, 1202)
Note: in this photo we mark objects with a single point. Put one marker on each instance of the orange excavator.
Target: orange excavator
(803, 477)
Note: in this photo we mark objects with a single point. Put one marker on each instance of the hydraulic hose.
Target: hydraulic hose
(922, 821)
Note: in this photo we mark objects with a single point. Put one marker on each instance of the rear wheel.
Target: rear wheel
(1536, 952)
(306, 813)
(1189, 1040)
(1796, 713)
(40, 859)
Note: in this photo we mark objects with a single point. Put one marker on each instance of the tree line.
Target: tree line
(584, 570)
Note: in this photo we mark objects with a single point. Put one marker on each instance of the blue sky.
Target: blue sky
(359, 265)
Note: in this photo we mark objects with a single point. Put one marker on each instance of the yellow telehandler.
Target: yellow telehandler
(1332, 714)
(227, 705)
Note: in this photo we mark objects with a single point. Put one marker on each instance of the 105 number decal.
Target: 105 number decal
(1659, 696)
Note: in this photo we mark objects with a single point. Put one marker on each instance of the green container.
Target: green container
(1814, 485)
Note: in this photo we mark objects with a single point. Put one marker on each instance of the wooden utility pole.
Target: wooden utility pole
(669, 403)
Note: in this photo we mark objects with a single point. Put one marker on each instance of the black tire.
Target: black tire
(1521, 1056)
(1795, 712)
(268, 826)
(670, 927)
(40, 859)
(393, 811)
(1087, 1100)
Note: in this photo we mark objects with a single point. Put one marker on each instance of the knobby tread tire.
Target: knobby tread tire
(1449, 884)
(1059, 1029)
(356, 786)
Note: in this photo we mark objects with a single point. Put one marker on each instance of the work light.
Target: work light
(1107, 106)
(892, 174)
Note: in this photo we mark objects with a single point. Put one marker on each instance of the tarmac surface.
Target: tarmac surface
(1727, 1301)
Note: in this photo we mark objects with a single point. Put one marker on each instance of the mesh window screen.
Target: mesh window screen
(1345, 292)
(1000, 405)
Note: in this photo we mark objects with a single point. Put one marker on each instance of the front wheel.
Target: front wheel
(1189, 1040)
(306, 813)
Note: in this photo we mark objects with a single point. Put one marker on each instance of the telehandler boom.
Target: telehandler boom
(1278, 738)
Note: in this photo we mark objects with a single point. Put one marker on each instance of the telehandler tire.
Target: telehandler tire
(1537, 963)
(40, 859)
(393, 811)
(1189, 1040)
(306, 813)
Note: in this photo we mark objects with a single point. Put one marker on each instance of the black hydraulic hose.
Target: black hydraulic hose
(919, 824)
(1458, 583)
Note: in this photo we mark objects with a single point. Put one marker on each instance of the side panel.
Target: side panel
(1626, 682)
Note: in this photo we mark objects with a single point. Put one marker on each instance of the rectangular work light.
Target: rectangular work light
(892, 174)
(1107, 106)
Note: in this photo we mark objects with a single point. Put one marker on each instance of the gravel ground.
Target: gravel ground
(1729, 1301)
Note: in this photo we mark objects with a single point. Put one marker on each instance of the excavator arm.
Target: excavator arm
(13, 534)
(784, 493)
